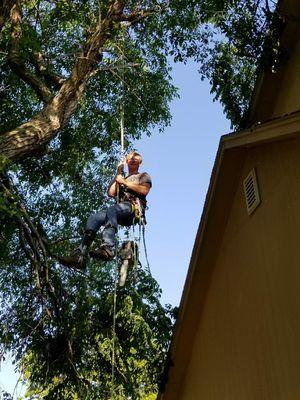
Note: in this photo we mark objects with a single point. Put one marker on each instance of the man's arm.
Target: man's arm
(139, 188)
(112, 190)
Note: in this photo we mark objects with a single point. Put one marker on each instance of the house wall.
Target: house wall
(276, 94)
(289, 99)
(247, 342)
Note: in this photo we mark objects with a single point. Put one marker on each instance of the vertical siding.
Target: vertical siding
(247, 345)
(289, 95)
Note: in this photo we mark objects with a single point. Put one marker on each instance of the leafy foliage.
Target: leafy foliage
(56, 322)
(70, 353)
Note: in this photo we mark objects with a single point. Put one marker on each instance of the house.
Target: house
(237, 336)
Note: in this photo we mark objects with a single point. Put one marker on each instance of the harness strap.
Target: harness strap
(138, 211)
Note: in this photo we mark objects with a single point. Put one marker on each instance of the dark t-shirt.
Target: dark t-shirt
(130, 195)
(139, 178)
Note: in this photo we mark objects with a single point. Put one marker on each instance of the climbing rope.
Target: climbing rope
(137, 241)
(113, 355)
(122, 129)
(122, 96)
(145, 248)
(136, 246)
(122, 116)
(121, 110)
(122, 135)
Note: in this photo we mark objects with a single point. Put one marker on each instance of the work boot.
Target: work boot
(103, 252)
(79, 258)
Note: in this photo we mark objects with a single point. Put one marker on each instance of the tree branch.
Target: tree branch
(30, 237)
(34, 258)
(267, 7)
(23, 243)
(15, 61)
(5, 7)
(28, 137)
(45, 71)
(66, 239)
(133, 17)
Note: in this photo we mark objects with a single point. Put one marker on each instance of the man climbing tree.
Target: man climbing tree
(131, 193)
(63, 68)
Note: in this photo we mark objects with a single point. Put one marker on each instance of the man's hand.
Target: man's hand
(120, 167)
(120, 179)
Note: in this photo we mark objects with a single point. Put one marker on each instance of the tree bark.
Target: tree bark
(28, 138)
(5, 7)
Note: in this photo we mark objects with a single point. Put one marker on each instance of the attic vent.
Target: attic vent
(251, 192)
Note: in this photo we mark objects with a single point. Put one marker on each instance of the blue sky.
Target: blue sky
(179, 161)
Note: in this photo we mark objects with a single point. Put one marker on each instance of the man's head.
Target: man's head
(133, 158)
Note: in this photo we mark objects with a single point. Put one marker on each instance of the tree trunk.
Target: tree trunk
(30, 137)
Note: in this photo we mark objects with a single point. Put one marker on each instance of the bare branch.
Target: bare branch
(115, 67)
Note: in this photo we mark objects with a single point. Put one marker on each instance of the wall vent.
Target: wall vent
(251, 192)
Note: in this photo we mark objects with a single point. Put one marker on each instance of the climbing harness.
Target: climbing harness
(137, 211)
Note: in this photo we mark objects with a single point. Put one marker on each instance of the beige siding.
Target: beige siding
(247, 345)
(289, 95)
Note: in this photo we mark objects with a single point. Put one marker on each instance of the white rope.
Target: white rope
(113, 355)
(122, 116)
(122, 134)
(122, 129)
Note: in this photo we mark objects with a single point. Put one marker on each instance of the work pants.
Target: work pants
(118, 214)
